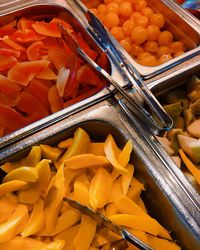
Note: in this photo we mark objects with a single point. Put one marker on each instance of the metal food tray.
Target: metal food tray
(184, 26)
(10, 10)
(161, 89)
(164, 199)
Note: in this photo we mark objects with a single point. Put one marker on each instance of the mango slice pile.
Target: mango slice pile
(34, 216)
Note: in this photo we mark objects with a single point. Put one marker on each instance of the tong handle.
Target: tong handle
(128, 105)
(130, 72)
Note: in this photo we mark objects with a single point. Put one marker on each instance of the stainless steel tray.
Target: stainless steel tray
(160, 89)
(164, 199)
(182, 24)
(10, 10)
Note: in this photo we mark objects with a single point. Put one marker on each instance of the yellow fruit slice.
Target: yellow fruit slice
(31, 160)
(158, 244)
(99, 194)
(96, 148)
(86, 161)
(85, 237)
(27, 174)
(12, 186)
(12, 226)
(36, 220)
(124, 156)
(8, 204)
(33, 192)
(111, 153)
(51, 153)
(66, 143)
(79, 145)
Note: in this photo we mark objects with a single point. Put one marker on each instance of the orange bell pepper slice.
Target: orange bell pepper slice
(24, 72)
(29, 104)
(7, 62)
(33, 51)
(47, 29)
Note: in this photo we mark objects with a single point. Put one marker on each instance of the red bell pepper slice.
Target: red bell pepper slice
(47, 29)
(29, 104)
(7, 86)
(7, 62)
(33, 51)
(55, 101)
(24, 72)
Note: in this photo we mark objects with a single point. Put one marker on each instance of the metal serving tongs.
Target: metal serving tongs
(110, 225)
(128, 104)
(162, 122)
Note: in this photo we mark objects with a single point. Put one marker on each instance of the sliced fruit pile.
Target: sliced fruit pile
(183, 105)
(139, 29)
(39, 74)
(97, 174)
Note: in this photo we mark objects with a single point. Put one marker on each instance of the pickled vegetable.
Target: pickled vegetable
(39, 74)
(96, 174)
(184, 138)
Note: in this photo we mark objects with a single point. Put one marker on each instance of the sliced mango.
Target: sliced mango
(191, 167)
(8, 204)
(100, 194)
(12, 226)
(66, 143)
(81, 193)
(125, 154)
(27, 174)
(31, 160)
(105, 236)
(19, 243)
(117, 191)
(126, 206)
(67, 219)
(36, 220)
(86, 161)
(96, 148)
(68, 236)
(54, 198)
(80, 145)
(85, 237)
(33, 192)
(12, 186)
(112, 153)
(135, 189)
(126, 178)
(49, 152)
(138, 222)
(158, 244)
(111, 209)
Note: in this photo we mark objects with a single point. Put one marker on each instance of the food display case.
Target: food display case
(170, 195)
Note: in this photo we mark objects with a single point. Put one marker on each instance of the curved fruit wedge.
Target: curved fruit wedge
(24, 72)
(36, 220)
(8, 204)
(86, 161)
(47, 29)
(12, 186)
(112, 154)
(12, 227)
(23, 174)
